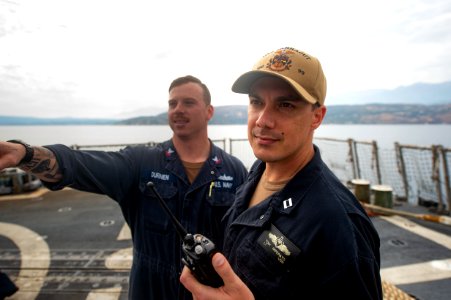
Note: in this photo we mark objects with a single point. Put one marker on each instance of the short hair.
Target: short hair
(315, 106)
(189, 78)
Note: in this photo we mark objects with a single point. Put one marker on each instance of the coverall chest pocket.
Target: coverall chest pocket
(218, 195)
(154, 217)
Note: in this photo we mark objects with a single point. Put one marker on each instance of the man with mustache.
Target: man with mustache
(196, 179)
(295, 231)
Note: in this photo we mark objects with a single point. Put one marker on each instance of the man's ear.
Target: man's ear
(318, 116)
(210, 112)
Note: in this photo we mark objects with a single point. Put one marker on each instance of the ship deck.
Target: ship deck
(74, 245)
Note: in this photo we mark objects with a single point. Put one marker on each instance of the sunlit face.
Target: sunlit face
(280, 122)
(188, 114)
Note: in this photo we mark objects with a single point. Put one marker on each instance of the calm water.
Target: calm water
(384, 135)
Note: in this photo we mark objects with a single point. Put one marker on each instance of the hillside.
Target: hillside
(418, 93)
(336, 114)
(237, 114)
(229, 114)
(12, 120)
(389, 114)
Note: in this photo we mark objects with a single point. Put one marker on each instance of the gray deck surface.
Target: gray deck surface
(74, 245)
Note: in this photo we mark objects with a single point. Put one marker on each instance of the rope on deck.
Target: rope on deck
(391, 292)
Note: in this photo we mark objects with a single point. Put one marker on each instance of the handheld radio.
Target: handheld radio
(197, 248)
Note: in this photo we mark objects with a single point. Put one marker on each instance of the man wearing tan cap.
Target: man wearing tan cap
(294, 231)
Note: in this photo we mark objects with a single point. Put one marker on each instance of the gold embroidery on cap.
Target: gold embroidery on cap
(280, 62)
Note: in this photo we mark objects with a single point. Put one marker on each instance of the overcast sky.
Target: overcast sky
(112, 58)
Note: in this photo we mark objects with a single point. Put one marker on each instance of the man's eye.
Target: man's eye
(188, 102)
(254, 102)
(286, 105)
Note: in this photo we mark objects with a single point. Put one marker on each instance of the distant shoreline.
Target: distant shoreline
(385, 134)
(237, 114)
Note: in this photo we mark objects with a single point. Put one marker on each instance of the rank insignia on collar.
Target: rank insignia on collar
(287, 203)
(169, 152)
(278, 245)
(216, 160)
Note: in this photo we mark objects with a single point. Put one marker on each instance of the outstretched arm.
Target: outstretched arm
(43, 164)
(232, 289)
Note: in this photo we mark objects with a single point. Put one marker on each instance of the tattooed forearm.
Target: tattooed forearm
(43, 165)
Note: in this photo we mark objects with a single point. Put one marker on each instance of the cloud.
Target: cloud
(103, 58)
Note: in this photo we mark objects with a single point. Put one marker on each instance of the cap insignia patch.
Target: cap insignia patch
(280, 62)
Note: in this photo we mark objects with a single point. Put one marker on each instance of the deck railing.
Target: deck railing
(419, 175)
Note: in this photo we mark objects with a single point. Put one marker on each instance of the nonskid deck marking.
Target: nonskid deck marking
(424, 271)
(125, 233)
(102, 274)
(436, 237)
(105, 294)
(420, 272)
(32, 270)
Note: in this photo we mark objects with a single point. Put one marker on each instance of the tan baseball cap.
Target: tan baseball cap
(301, 70)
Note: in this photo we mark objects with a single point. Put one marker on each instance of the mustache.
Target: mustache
(179, 115)
(267, 134)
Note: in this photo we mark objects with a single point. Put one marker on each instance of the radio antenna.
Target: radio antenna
(178, 227)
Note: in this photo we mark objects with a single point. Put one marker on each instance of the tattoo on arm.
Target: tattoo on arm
(44, 165)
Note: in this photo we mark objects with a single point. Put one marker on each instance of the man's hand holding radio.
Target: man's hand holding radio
(233, 288)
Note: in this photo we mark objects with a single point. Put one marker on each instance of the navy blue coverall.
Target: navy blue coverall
(199, 206)
(310, 240)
